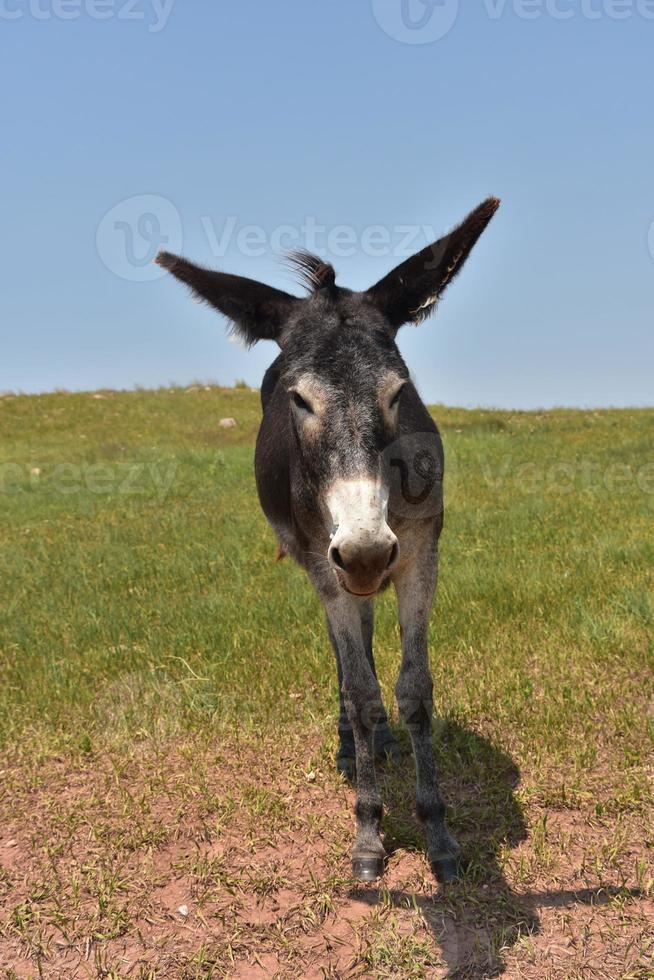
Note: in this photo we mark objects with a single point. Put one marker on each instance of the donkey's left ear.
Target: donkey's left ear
(257, 311)
(411, 291)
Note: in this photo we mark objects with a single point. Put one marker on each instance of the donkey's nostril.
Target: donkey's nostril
(394, 555)
(337, 558)
(365, 562)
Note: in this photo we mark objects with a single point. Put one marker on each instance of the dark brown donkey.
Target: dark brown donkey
(349, 469)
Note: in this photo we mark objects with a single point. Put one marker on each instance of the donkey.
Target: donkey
(344, 443)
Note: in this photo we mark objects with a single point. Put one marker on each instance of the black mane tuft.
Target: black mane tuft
(313, 272)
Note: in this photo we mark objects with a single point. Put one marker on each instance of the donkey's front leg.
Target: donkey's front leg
(415, 590)
(386, 748)
(364, 708)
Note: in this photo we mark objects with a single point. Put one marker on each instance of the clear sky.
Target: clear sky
(234, 129)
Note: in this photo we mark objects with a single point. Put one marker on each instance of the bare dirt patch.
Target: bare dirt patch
(231, 859)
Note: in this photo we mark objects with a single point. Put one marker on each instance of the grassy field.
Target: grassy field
(168, 804)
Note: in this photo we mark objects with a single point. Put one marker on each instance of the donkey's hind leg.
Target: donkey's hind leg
(386, 748)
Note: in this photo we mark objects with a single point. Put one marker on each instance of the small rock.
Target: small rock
(35, 471)
(183, 910)
(227, 424)
(11, 843)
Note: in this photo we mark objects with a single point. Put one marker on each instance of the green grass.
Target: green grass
(142, 606)
(140, 587)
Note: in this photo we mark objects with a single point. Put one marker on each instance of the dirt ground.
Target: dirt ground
(232, 860)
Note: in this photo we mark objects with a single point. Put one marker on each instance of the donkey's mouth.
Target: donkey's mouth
(354, 592)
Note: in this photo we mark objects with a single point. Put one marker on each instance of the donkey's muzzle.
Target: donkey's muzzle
(362, 563)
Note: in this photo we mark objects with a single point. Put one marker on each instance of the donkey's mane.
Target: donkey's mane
(312, 271)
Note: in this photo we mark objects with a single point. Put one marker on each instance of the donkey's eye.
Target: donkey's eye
(300, 403)
(395, 400)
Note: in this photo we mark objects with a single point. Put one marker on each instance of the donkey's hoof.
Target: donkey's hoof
(367, 868)
(446, 869)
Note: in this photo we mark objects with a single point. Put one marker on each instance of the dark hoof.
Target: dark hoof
(367, 868)
(446, 870)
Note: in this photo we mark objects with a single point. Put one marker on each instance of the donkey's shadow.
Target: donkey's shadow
(473, 920)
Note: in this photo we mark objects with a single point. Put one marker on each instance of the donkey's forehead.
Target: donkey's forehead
(339, 342)
(336, 363)
(325, 312)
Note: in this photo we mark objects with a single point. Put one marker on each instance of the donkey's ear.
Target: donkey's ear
(257, 311)
(411, 291)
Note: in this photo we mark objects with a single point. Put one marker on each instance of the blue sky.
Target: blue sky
(232, 129)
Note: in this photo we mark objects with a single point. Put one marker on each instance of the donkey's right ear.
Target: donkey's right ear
(257, 311)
